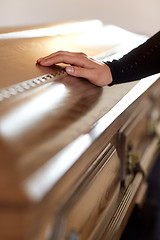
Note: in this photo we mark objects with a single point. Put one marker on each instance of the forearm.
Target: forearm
(141, 62)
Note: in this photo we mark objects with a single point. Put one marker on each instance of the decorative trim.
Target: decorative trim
(121, 215)
(7, 93)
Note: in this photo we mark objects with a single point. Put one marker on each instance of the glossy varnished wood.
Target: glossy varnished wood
(59, 143)
(20, 50)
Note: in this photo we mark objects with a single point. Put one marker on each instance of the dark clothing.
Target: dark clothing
(141, 62)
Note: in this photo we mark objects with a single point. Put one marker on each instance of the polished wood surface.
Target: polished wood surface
(64, 142)
(20, 49)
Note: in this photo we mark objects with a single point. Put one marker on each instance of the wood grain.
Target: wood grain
(61, 156)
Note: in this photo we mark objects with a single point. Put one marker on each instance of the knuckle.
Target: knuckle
(77, 71)
(60, 52)
(82, 54)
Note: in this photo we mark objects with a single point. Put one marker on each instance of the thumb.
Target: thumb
(70, 70)
(79, 72)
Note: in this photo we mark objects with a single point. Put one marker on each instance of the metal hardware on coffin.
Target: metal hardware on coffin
(134, 165)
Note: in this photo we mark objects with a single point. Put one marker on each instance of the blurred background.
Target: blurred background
(141, 16)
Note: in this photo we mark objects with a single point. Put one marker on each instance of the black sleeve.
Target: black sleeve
(141, 62)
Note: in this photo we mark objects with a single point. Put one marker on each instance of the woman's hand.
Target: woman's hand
(81, 65)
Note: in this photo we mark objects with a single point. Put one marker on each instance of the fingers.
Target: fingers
(53, 55)
(77, 59)
(80, 72)
(43, 59)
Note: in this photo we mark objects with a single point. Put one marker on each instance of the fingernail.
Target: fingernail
(70, 69)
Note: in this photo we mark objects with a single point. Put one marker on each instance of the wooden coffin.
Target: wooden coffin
(74, 157)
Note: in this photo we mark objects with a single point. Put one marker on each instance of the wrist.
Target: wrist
(110, 78)
(108, 75)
